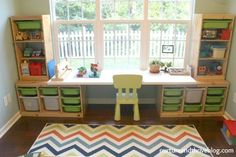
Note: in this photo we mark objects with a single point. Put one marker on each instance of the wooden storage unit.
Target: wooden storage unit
(211, 102)
(212, 34)
(33, 46)
(50, 100)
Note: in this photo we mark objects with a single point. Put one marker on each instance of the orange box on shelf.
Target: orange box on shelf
(35, 68)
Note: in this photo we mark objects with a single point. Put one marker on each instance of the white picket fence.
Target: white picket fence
(117, 43)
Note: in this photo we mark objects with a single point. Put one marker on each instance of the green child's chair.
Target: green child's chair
(127, 86)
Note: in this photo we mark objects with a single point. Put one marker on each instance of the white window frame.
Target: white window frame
(98, 33)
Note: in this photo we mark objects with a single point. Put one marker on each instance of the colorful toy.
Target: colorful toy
(94, 70)
(229, 131)
(82, 71)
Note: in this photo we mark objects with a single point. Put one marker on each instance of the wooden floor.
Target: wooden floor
(21, 136)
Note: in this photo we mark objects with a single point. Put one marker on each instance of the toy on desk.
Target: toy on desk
(61, 70)
(81, 71)
(94, 71)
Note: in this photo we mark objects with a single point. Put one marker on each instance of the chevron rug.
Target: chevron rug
(120, 140)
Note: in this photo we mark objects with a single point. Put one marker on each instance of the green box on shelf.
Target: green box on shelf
(49, 91)
(173, 92)
(214, 99)
(71, 108)
(70, 91)
(70, 101)
(216, 24)
(215, 91)
(170, 108)
(172, 100)
(32, 24)
(192, 108)
(213, 108)
(28, 91)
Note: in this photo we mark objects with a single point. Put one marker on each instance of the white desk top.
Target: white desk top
(106, 79)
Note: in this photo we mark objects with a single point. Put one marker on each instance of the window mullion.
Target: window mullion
(145, 37)
(98, 37)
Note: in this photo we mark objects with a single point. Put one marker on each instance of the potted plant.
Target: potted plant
(167, 66)
(155, 66)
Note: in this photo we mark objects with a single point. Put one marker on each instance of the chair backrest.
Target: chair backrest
(127, 82)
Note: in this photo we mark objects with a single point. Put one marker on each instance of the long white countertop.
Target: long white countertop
(106, 79)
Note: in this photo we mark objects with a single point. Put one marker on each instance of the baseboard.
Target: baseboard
(113, 101)
(228, 116)
(9, 124)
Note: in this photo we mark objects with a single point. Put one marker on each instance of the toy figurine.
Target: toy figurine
(81, 71)
(94, 69)
(19, 36)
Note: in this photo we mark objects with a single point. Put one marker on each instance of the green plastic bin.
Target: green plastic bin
(172, 100)
(192, 108)
(214, 99)
(171, 108)
(173, 92)
(49, 91)
(32, 24)
(216, 24)
(71, 108)
(70, 101)
(70, 91)
(213, 108)
(28, 91)
(215, 91)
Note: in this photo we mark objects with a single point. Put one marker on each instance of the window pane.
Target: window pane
(122, 9)
(170, 35)
(121, 46)
(169, 9)
(76, 41)
(75, 9)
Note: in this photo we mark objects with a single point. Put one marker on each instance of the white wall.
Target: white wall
(8, 68)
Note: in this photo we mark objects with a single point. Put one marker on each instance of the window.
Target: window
(121, 34)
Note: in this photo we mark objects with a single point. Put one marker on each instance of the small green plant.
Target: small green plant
(157, 62)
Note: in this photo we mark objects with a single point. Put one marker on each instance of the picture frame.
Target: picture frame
(167, 48)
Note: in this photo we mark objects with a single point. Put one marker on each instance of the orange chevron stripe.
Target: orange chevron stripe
(119, 139)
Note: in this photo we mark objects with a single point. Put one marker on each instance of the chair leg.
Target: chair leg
(117, 112)
(136, 112)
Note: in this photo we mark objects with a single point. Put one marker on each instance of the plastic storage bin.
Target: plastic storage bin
(218, 52)
(28, 91)
(71, 108)
(216, 24)
(172, 100)
(29, 24)
(70, 91)
(173, 92)
(215, 91)
(193, 95)
(213, 108)
(49, 91)
(51, 103)
(192, 108)
(70, 101)
(169, 108)
(31, 104)
(214, 99)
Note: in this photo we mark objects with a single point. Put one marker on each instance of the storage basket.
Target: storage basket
(215, 91)
(172, 100)
(70, 91)
(70, 101)
(35, 69)
(49, 91)
(213, 108)
(31, 103)
(71, 108)
(28, 91)
(51, 103)
(169, 108)
(193, 95)
(28, 24)
(218, 52)
(216, 24)
(173, 92)
(192, 108)
(214, 99)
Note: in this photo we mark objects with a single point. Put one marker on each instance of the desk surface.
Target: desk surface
(106, 79)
